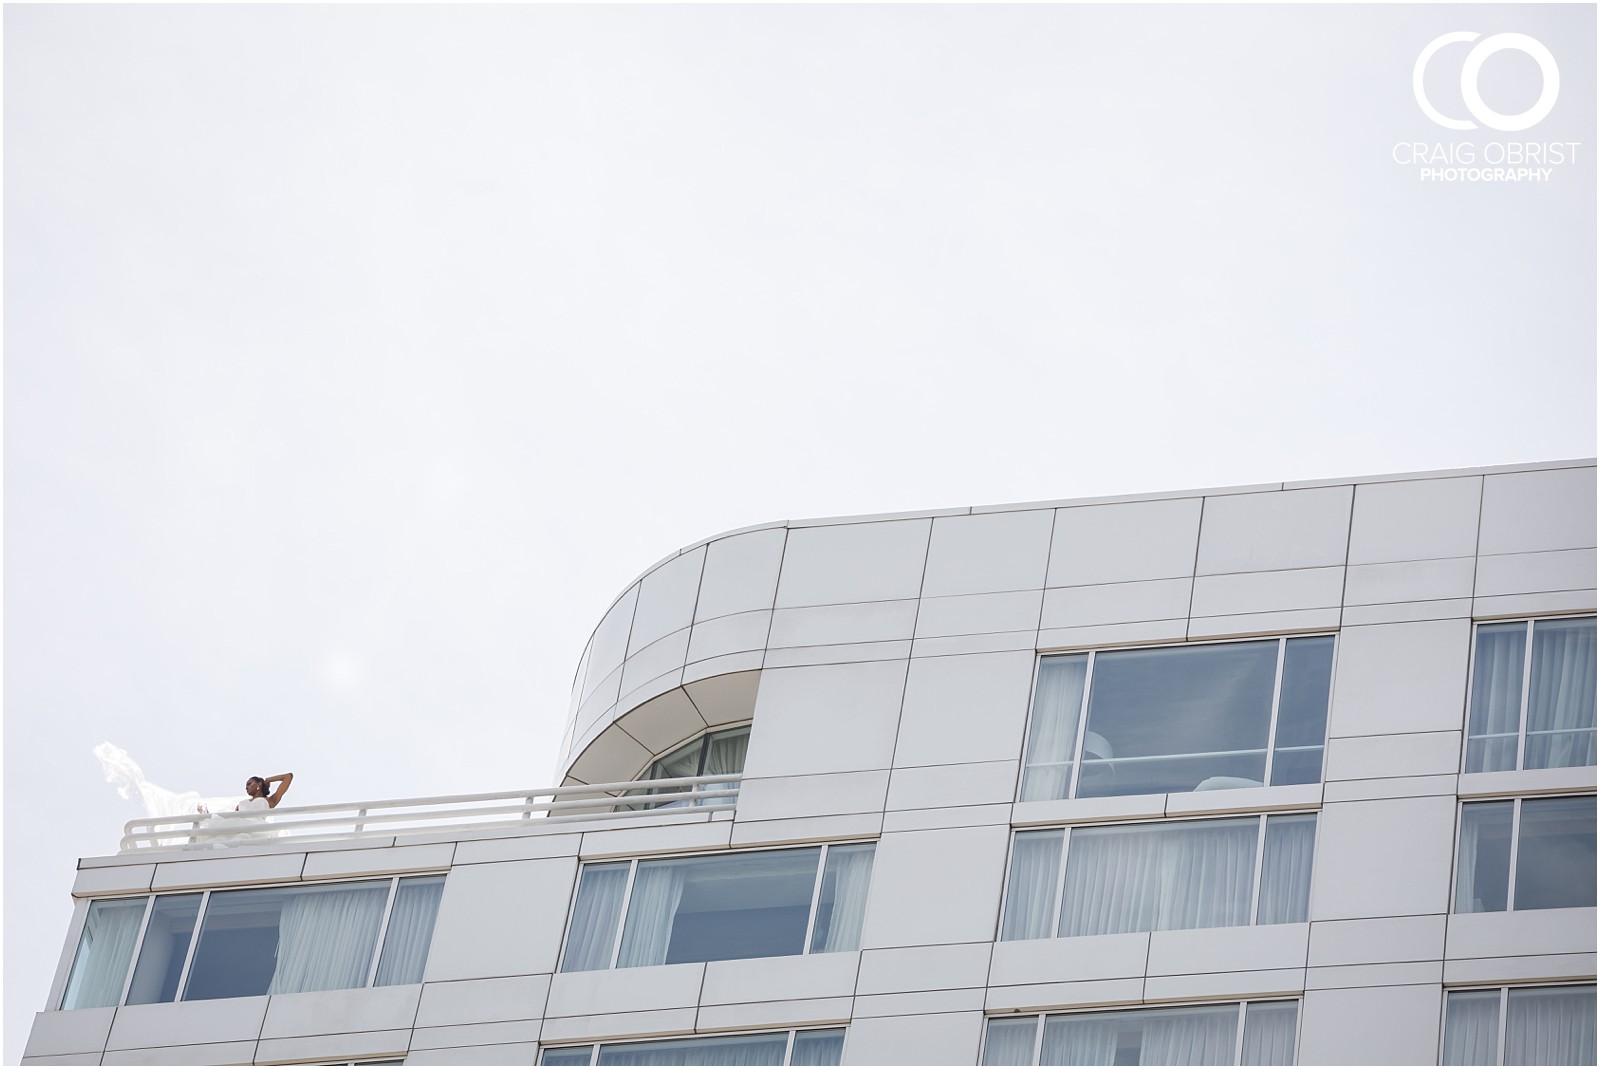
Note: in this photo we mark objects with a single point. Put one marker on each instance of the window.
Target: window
(1263, 1034)
(1532, 702)
(808, 1046)
(711, 754)
(720, 907)
(1526, 853)
(258, 941)
(1519, 1026)
(1179, 718)
(1159, 876)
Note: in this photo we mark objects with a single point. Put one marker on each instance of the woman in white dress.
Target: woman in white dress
(261, 797)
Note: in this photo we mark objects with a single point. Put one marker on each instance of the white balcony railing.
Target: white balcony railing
(512, 810)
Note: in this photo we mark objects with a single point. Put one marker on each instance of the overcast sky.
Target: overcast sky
(356, 358)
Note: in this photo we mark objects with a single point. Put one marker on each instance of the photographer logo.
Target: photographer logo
(1472, 67)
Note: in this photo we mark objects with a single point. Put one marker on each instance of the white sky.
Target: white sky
(356, 358)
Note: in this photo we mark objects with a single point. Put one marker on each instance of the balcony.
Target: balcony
(513, 812)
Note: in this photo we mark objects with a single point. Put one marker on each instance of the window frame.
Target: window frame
(633, 870)
(1504, 991)
(788, 1046)
(1092, 653)
(205, 894)
(1529, 625)
(1066, 840)
(1238, 1036)
(703, 741)
(1516, 801)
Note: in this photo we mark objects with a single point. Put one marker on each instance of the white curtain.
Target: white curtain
(1286, 869)
(1081, 1039)
(1155, 877)
(1010, 1042)
(849, 872)
(1551, 1026)
(1165, 1037)
(1269, 1033)
(1561, 695)
(1496, 707)
(593, 932)
(701, 1050)
(725, 753)
(1031, 886)
(1483, 864)
(657, 890)
(818, 1046)
(1189, 1037)
(326, 938)
(405, 944)
(1053, 736)
(104, 951)
(1471, 1028)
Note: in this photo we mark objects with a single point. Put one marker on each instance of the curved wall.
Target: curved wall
(688, 645)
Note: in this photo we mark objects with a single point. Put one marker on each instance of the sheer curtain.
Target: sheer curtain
(593, 932)
(1286, 869)
(1495, 712)
(846, 880)
(1081, 1039)
(1269, 1033)
(818, 1046)
(1561, 695)
(1193, 874)
(104, 951)
(657, 890)
(326, 938)
(725, 753)
(1471, 1028)
(1053, 736)
(1188, 1037)
(701, 1050)
(1010, 1042)
(405, 944)
(1031, 886)
(1551, 1026)
(1483, 866)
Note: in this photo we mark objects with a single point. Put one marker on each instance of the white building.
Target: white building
(1267, 774)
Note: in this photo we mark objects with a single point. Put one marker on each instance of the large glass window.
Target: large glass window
(1159, 876)
(256, 941)
(1532, 704)
(807, 1046)
(752, 904)
(1262, 1034)
(104, 951)
(711, 754)
(1526, 853)
(1179, 718)
(1520, 1026)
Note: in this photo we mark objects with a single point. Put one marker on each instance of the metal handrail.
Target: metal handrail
(464, 812)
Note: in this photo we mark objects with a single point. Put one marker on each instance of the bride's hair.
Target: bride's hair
(262, 780)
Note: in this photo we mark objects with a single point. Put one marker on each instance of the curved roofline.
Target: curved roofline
(1071, 502)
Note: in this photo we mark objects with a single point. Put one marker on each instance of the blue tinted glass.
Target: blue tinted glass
(719, 908)
(1556, 853)
(820, 1046)
(699, 1050)
(1483, 861)
(1303, 710)
(1178, 719)
(166, 943)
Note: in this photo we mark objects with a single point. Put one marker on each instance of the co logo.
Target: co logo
(1473, 66)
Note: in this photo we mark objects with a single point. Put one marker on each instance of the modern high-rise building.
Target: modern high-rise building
(1292, 773)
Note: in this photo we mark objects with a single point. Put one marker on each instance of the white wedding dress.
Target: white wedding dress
(221, 825)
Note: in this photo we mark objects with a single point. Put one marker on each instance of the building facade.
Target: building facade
(1299, 773)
